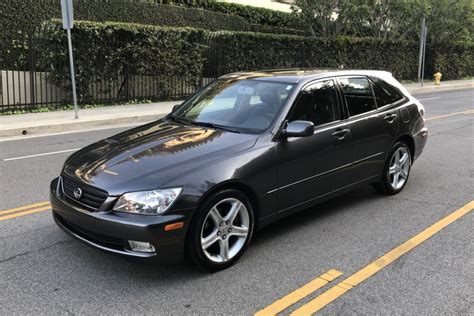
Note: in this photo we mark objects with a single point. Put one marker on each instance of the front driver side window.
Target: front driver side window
(317, 103)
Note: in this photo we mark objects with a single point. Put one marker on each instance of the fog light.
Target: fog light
(141, 246)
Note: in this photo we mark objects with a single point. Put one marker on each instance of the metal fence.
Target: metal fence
(32, 77)
(26, 84)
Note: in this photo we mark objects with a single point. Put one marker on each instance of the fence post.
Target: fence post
(31, 67)
(127, 88)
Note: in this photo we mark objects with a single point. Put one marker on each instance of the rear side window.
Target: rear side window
(358, 94)
(385, 93)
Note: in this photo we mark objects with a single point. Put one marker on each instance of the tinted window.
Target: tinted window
(358, 94)
(317, 103)
(385, 93)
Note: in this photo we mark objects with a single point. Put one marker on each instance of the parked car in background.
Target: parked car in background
(244, 151)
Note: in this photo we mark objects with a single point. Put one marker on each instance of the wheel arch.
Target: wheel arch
(237, 185)
(231, 184)
(407, 139)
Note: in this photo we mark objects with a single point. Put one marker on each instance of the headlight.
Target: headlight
(147, 202)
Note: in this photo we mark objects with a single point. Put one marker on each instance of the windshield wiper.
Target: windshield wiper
(217, 126)
(186, 121)
(181, 120)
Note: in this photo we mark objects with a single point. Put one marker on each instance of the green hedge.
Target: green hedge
(188, 53)
(453, 60)
(105, 53)
(248, 51)
(250, 13)
(24, 15)
(183, 52)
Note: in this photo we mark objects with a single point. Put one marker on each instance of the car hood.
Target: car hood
(148, 156)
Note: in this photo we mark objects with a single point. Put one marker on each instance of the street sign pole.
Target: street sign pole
(424, 54)
(68, 23)
(421, 59)
(73, 77)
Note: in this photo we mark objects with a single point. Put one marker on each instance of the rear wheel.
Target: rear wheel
(221, 230)
(396, 171)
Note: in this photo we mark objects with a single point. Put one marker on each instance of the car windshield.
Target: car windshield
(236, 105)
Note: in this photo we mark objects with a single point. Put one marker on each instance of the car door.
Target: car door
(314, 166)
(372, 129)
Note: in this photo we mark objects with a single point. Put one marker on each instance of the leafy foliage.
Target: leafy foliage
(447, 20)
(455, 60)
(250, 51)
(251, 14)
(450, 20)
(117, 51)
(109, 55)
(20, 16)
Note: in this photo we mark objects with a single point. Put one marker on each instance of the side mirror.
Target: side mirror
(299, 129)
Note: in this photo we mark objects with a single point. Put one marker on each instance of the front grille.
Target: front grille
(104, 240)
(92, 198)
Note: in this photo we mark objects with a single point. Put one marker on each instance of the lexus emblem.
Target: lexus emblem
(77, 193)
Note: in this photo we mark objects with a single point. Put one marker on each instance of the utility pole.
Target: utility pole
(421, 59)
(68, 23)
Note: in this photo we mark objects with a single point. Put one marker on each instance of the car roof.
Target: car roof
(298, 75)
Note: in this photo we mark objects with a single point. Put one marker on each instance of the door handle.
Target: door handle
(390, 118)
(341, 133)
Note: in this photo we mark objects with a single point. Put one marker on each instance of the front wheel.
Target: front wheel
(396, 170)
(221, 230)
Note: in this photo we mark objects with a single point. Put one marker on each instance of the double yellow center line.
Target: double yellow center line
(24, 210)
(339, 289)
(300, 293)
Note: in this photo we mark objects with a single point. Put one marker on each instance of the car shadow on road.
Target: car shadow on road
(344, 203)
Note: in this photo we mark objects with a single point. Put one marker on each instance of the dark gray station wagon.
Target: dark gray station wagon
(244, 151)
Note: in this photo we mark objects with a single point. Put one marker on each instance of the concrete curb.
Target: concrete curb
(77, 126)
(433, 88)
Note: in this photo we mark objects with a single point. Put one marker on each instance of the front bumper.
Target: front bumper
(110, 231)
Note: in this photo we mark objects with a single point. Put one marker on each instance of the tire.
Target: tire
(395, 169)
(217, 237)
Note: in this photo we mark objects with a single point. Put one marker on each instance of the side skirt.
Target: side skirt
(317, 200)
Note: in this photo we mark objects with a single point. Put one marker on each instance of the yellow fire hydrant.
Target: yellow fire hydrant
(437, 78)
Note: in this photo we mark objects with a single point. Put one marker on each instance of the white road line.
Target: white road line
(434, 98)
(39, 155)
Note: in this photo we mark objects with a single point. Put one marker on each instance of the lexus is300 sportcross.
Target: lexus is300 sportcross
(244, 151)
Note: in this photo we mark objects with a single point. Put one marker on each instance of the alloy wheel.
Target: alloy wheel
(225, 230)
(399, 168)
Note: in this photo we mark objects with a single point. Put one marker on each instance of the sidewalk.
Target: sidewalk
(21, 125)
(429, 86)
(24, 125)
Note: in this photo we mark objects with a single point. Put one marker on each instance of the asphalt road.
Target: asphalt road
(43, 271)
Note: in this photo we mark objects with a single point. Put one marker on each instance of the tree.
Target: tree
(396, 20)
(319, 15)
(388, 19)
(450, 20)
